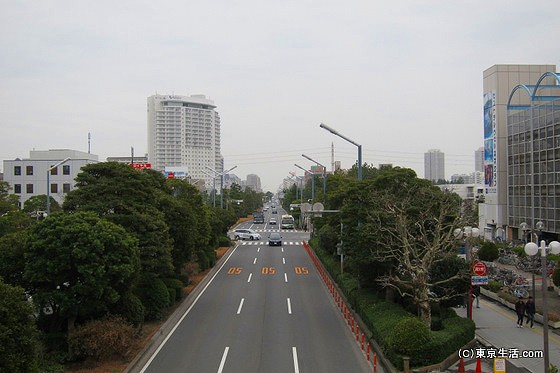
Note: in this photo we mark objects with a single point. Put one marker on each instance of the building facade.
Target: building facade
(253, 182)
(184, 131)
(498, 83)
(28, 177)
(533, 156)
(434, 165)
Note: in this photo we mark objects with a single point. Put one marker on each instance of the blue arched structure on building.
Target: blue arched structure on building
(533, 94)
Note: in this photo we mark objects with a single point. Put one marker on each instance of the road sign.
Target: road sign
(479, 269)
(479, 280)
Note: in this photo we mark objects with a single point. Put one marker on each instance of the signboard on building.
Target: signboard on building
(140, 166)
(490, 144)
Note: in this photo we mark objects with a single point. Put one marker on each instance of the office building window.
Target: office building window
(29, 170)
(66, 188)
(54, 188)
(66, 169)
(17, 188)
(17, 170)
(54, 171)
(29, 188)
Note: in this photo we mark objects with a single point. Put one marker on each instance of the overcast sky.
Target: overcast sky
(398, 77)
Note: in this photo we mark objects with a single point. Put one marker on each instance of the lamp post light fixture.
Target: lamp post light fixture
(335, 132)
(467, 233)
(49, 183)
(532, 249)
(312, 183)
(324, 176)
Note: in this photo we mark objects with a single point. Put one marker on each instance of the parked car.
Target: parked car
(275, 239)
(245, 234)
(272, 221)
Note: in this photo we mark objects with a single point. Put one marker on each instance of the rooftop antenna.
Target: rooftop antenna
(332, 157)
(89, 142)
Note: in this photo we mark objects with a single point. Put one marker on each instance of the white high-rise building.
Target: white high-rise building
(184, 131)
(479, 160)
(434, 165)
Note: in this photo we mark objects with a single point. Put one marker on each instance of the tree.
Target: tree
(39, 203)
(19, 344)
(79, 265)
(129, 198)
(12, 260)
(8, 202)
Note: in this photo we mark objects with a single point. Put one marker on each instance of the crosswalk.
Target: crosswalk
(256, 243)
(276, 230)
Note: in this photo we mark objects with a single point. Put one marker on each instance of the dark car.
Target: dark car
(275, 239)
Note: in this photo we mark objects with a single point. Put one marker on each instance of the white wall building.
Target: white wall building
(28, 177)
(184, 131)
(434, 165)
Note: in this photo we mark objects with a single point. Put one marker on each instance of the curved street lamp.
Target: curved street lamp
(49, 183)
(335, 132)
(466, 233)
(324, 176)
(221, 175)
(312, 183)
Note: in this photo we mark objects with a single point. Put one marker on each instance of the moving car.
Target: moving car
(245, 234)
(272, 221)
(275, 239)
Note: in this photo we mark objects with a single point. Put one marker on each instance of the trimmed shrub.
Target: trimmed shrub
(223, 241)
(100, 339)
(493, 286)
(176, 286)
(488, 251)
(154, 296)
(131, 308)
(411, 338)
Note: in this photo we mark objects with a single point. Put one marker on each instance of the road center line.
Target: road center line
(296, 365)
(240, 305)
(282, 249)
(223, 362)
(289, 306)
(249, 279)
(283, 260)
(255, 261)
(258, 249)
(285, 277)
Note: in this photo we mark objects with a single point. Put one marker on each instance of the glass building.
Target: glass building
(533, 158)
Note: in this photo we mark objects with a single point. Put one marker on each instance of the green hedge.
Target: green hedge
(384, 319)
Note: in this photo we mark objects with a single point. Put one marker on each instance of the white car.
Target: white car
(245, 234)
(272, 221)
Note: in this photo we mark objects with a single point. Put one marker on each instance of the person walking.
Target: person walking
(520, 311)
(476, 293)
(530, 311)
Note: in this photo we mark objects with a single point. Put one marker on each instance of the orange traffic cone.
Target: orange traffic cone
(461, 366)
(478, 366)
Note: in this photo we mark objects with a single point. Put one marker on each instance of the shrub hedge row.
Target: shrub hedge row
(398, 332)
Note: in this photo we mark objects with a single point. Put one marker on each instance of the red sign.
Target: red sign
(140, 166)
(479, 269)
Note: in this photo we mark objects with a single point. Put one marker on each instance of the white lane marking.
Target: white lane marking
(258, 249)
(289, 306)
(283, 260)
(240, 305)
(249, 279)
(186, 312)
(282, 249)
(285, 277)
(223, 362)
(294, 354)
(255, 261)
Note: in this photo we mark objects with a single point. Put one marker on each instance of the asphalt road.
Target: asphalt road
(265, 310)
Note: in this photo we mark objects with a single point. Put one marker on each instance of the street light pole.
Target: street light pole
(312, 182)
(221, 175)
(532, 249)
(335, 132)
(324, 176)
(49, 183)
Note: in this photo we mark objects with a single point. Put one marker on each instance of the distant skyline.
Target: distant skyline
(398, 77)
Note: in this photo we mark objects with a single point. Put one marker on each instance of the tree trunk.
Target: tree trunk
(71, 329)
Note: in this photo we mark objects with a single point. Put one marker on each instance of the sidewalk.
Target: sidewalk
(496, 327)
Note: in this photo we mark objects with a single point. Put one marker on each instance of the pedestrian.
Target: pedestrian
(520, 310)
(530, 311)
(476, 293)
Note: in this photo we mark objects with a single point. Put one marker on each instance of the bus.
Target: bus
(287, 222)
